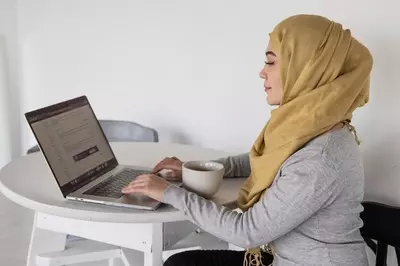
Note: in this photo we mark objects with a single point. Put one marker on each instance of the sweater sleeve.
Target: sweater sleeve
(301, 190)
(236, 166)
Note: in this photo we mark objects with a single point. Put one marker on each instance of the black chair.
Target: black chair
(382, 224)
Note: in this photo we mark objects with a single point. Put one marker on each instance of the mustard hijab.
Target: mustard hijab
(325, 74)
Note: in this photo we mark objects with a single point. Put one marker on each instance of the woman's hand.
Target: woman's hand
(150, 185)
(173, 164)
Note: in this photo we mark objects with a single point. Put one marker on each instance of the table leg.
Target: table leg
(154, 258)
(43, 241)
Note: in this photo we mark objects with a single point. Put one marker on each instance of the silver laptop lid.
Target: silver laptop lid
(72, 142)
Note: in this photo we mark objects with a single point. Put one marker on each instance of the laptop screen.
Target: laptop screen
(72, 142)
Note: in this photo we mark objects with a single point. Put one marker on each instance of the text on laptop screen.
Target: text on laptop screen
(73, 144)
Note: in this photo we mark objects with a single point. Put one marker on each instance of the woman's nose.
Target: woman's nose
(262, 74)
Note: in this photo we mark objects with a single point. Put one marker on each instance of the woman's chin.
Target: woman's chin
(272, 102)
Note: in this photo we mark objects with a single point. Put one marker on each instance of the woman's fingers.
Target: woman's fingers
(171, 174)
(141, 180)
(136, 186)
(149, 185)
(168, 163)
(157, 167)
(140, 188)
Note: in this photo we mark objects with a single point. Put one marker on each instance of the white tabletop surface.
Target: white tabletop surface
(29, 182)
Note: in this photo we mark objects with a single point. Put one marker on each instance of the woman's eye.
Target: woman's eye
(269, 63)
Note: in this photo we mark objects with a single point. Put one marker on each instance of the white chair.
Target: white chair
(117, 131)
(85, 251)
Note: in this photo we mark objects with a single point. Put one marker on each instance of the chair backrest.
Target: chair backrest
(381, 223)
(127, 131)
(120, 131)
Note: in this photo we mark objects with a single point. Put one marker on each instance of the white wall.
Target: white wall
(9, 92)
(5, 151)
(171, 65)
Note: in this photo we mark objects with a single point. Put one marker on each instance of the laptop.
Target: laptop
(80, 157)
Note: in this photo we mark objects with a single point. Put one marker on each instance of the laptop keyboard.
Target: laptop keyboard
(111, 187)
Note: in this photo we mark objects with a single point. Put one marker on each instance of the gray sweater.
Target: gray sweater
(310, 214)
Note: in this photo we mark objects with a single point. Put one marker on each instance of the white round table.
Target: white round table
(29, 182)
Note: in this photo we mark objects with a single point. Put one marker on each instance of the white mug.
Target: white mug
(202, 177)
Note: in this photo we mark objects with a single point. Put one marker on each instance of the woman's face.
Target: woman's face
(271, 75)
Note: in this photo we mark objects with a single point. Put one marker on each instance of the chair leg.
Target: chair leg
(124, 259)
(397, 255)
(371, 244)
(381, 254)
(111, 262)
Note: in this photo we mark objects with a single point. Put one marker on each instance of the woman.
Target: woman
(302, 199)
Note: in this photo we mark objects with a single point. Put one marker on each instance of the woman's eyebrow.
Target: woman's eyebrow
(267, 53)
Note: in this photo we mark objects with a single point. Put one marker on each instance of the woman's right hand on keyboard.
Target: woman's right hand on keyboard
(173, 164)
